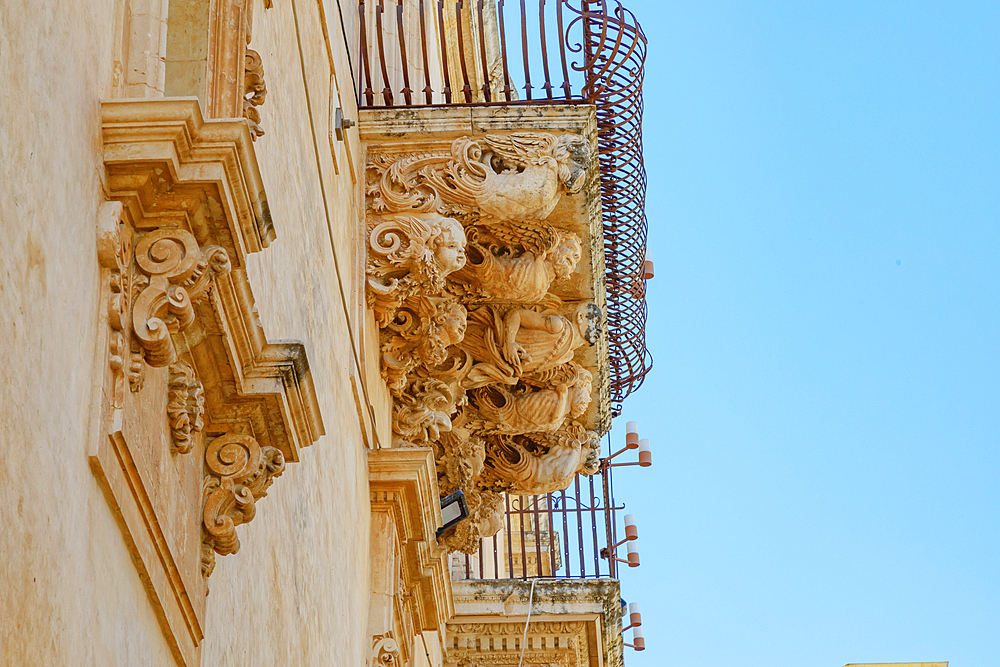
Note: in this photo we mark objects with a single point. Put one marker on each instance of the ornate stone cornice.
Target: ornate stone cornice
(574, 623)
(193, 389)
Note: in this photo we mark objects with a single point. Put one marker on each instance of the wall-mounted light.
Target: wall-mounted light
(631, 531)
(454, 508)
(634, 617)
(645, 455)
(633, 554)
(637, 641)
(647, 267)
(631, 435)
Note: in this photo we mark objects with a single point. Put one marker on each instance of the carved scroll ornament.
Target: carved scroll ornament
(173, 273)
(239, 473)
(385, 651)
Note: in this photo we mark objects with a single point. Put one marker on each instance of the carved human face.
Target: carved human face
(575, 159)
(449, 253)
(581, 394)
(566, 256)
(453, 329)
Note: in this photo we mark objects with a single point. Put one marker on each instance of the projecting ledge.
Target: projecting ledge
(574, 622)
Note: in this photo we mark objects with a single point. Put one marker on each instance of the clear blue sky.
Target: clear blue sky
(824, 212)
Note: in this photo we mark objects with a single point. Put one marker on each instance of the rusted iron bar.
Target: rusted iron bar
(402, 53)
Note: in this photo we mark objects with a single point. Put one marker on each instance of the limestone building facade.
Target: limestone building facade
(276, 279)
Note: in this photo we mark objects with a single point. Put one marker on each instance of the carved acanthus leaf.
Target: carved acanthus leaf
(185, 406)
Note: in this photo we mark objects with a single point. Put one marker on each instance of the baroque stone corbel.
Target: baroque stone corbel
(174, 274)
(239, 473)
(385, 651)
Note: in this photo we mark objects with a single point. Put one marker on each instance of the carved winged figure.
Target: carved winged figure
(540, 462)
(506, 346)
(507, 177)
(494, 273)
(409, 255)
(526, 409)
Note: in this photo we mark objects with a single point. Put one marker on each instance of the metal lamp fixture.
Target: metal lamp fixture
(454, 509)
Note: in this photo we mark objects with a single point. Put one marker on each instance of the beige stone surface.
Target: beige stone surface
(70, 593)
(59, 602)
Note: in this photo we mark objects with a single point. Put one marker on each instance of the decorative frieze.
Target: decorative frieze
(481, 278)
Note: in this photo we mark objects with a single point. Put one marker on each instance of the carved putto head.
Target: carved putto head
(411, 255)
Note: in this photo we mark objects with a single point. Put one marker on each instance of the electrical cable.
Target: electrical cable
(524, 637)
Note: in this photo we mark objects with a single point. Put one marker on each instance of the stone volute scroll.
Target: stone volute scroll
(200, 413)
(481, 254)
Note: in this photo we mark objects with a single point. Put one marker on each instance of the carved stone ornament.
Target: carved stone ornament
(480, 355)
(385, 651)
(254, 92)
(518, 176)
(185, 406)
(187, 207)
(239, 473)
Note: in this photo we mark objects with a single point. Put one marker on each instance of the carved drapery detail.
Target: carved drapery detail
(385, 651)
(481, 356)
(239, 473)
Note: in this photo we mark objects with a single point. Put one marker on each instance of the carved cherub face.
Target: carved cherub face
(566, 255)
(449, 247)
(588, 320)
(452, 325)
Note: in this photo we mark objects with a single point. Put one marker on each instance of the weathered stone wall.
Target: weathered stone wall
(69, 593)
(297, 591)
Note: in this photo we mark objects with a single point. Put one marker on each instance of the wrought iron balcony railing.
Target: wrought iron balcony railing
(492, 52)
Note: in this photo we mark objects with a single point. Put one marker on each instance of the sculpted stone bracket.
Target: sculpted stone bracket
(201, 412)
(485, 276)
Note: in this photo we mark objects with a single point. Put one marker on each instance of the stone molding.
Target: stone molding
(403, 484)
(574, 623)
(200, 412)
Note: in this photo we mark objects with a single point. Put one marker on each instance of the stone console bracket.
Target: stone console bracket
(199, 413)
